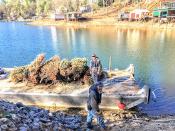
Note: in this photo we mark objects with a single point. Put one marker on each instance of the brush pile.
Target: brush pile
(18, 74)
(50, 70)
(54, 70)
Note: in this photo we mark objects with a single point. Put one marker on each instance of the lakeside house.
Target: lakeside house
(123, 16)
(168, 3)
(85, 9)
(73, 16)
(57, 16)
(138, 14)
(166, 10)
(103, 1)
(70, 16)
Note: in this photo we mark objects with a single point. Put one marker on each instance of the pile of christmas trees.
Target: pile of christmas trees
(42, 71)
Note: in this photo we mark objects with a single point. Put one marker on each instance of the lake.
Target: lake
(151, 51)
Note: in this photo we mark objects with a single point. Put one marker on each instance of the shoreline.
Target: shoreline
(104, 23)
(12, 117)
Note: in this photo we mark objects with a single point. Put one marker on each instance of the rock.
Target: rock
(56, 128)
(44, 126)
(12, 129)
(4, 120)
(36, 120)
(27, 121)
(23, 128)
(15, 118)
(31, 114)
(11, 124)
(26, 118)
(50, 114)
(147, 119)
(114, 114)
(112, 125)
(4, 127)
(129, 115)
(35, 127)
(135, 124)
(117, 118)
(106, 121)
(44, 120)
(19, 104)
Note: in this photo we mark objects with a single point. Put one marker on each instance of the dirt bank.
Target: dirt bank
(104, 23)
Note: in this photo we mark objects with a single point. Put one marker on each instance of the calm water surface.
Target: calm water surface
(152, 53)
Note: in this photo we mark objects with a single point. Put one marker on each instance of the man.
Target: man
(95, 95)
(95, 68)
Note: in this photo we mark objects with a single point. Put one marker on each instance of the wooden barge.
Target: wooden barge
(120, 84)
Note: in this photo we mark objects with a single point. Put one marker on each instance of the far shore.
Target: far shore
(106, 22)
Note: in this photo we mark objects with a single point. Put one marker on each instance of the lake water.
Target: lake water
(151, 51)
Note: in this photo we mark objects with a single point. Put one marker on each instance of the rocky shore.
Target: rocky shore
(18, 117)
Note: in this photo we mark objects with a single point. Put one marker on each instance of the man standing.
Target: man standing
(95, 68)
(95, 95)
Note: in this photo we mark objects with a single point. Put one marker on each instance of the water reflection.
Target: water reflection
(151, 51)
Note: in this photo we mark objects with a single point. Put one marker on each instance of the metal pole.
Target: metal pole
(110, 63)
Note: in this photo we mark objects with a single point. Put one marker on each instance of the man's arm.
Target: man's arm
(90, 66)
(99, 66)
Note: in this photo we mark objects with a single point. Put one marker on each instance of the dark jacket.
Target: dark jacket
(94, 98)
(96, 64)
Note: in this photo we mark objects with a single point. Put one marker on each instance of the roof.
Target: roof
(74, 13)
(163, 9)
(139, 10)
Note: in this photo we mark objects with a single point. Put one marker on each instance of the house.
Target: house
(85, 8)
(57, 16)
(167, 10)
(92, 1)
(123, 16)
(138, 14)
(74, 16)
(96, 1)
(164, 12)
(168, 4)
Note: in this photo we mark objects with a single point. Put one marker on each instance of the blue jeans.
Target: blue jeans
(92, 114)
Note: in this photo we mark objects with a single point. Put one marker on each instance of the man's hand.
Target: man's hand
(99, 112)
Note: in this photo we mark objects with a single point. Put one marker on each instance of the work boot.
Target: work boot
(89, 126)
(103, 128)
